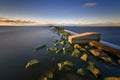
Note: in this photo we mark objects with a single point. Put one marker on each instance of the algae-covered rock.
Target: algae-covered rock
(81, 71)
(83, 50)
(62, 42)
(65, 50)
(95, 72)
(87, 47)
(84, 57)
(76, 53)
(58, 51)
(44, 78)
(112, 78)
(49, 74)
(77, 46)
(93, 69)
(56, 45)
(69, 63)
(65, 65)
(32, 62)
(52, 49)
(60, 66)
(55, 41)
(91, 64)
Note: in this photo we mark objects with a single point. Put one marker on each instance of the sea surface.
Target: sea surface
(17, 44)
(16, 49)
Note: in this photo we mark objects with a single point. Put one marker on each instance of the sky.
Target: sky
(60, 12)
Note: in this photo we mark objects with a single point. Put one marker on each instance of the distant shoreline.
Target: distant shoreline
(60, 26)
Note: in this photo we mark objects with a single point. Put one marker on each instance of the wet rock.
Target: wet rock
(32, 62)
(76, 53)
(52, 49)
(81, 71)
(93, 69)
(84, 57)
(77, 46)
(108, 59)
(49, 74)
(84, 38)
(66, 65)
(95, 52)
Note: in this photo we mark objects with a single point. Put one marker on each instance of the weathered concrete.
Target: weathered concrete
(84, 38)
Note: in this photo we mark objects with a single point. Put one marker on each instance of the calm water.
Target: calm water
(16, 49)
(109, 34)
(17, 43)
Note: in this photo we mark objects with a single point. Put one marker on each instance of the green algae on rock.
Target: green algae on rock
(32, 62)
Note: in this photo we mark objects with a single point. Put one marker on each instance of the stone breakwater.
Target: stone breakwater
(76, 61)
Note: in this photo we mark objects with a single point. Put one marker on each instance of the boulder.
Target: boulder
(84, 38)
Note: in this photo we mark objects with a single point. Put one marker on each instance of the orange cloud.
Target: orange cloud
(15, 22)
(90, 4)
(18, 22)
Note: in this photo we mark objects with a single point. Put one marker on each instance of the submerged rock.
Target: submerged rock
(58, 51)
(76, 53)
(40, 47)
(81, 71)
(32, 62)
(52, 49)
(65, 50)
(49, 74)
(93, 69)
(55, 41)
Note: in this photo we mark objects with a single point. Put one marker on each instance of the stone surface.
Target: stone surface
(84, 57)
(95, 52)
(84, 38)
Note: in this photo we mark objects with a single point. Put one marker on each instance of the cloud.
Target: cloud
(105, 23)
(14, 21)
(19, 22)
(90, 4)
(108, 24)
(2, 18)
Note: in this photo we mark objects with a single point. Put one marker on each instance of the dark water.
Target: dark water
(17, 43)
(16, 49)
(109, 34)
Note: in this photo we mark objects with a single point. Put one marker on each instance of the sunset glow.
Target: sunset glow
(59, 12)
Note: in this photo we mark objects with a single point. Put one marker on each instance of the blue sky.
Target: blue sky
(63, 12)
